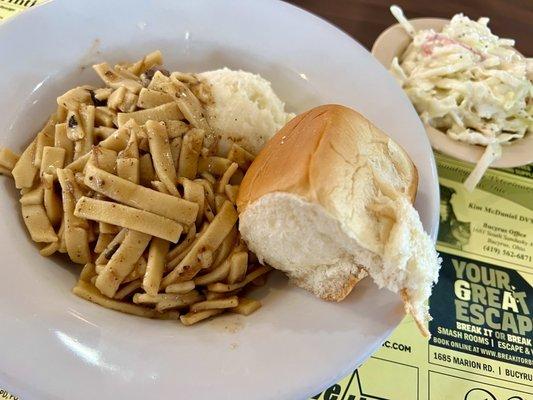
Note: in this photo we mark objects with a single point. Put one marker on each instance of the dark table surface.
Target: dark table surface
(366, 19)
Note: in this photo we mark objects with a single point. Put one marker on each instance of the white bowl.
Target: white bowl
(57, 346)
(392, 43)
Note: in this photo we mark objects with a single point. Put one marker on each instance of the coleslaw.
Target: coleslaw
(469, 83)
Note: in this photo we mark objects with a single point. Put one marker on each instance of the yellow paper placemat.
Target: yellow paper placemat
(8, 8)
(482, 331)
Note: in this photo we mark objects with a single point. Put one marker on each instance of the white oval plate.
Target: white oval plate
(391, 43)
(57, 346)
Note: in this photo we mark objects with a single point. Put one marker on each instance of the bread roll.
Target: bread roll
(329, 199)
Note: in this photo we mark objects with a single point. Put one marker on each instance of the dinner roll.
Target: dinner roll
(329, 200)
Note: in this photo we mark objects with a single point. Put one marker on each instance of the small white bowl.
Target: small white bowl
(392, 43)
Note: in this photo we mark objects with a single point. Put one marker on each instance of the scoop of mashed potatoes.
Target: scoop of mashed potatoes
(245, 110)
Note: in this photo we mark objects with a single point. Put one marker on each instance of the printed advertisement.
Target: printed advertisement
(482, 330)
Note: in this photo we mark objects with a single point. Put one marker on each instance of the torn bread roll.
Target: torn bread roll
(329, 200)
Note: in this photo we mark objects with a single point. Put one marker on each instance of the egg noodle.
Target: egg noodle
(126, 180)
(468, 83)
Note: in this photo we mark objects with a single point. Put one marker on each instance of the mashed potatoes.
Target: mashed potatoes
(245, 109)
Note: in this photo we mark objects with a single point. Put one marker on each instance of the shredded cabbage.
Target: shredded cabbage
(469, 83)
